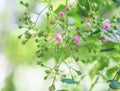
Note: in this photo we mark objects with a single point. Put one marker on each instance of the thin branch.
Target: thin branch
(69, 69)
(93, 84)
(41, 12)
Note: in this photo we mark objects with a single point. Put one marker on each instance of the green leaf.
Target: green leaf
(118, 72)
(69, 81)
(109, 72)
(99, 66)
(45, 77)
(118, 1)
(114, 84)
(47, 71)
(60, 8)
(21, 2)
(107, 50)
(95, 32)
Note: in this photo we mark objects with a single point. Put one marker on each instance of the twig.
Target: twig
(93, 84)
(41, 12)
(69, 69)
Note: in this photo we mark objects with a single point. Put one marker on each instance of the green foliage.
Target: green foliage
(99, 66)
(18, 53)
(88, 38)
(110, 72)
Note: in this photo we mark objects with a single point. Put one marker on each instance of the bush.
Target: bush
(76, 30)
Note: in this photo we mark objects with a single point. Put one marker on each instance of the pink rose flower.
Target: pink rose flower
(106, 26)
(58, 37)
(77, 39)
(68, 8)
(61, 14)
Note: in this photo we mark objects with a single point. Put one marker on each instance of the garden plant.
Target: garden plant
(76, 34)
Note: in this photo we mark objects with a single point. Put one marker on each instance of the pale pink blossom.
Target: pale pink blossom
(68, 8)
(77, 39)
(106, 21)
(58, 37)
(106, 26)
(61, 14)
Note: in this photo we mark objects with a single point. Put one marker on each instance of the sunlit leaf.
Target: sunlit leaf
(109, 72)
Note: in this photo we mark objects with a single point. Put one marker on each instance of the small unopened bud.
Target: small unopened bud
(77, 39)
(52, 22)
(94, 4)
(58, 37)
(106, 26)
(68, 8)
(61, 14)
